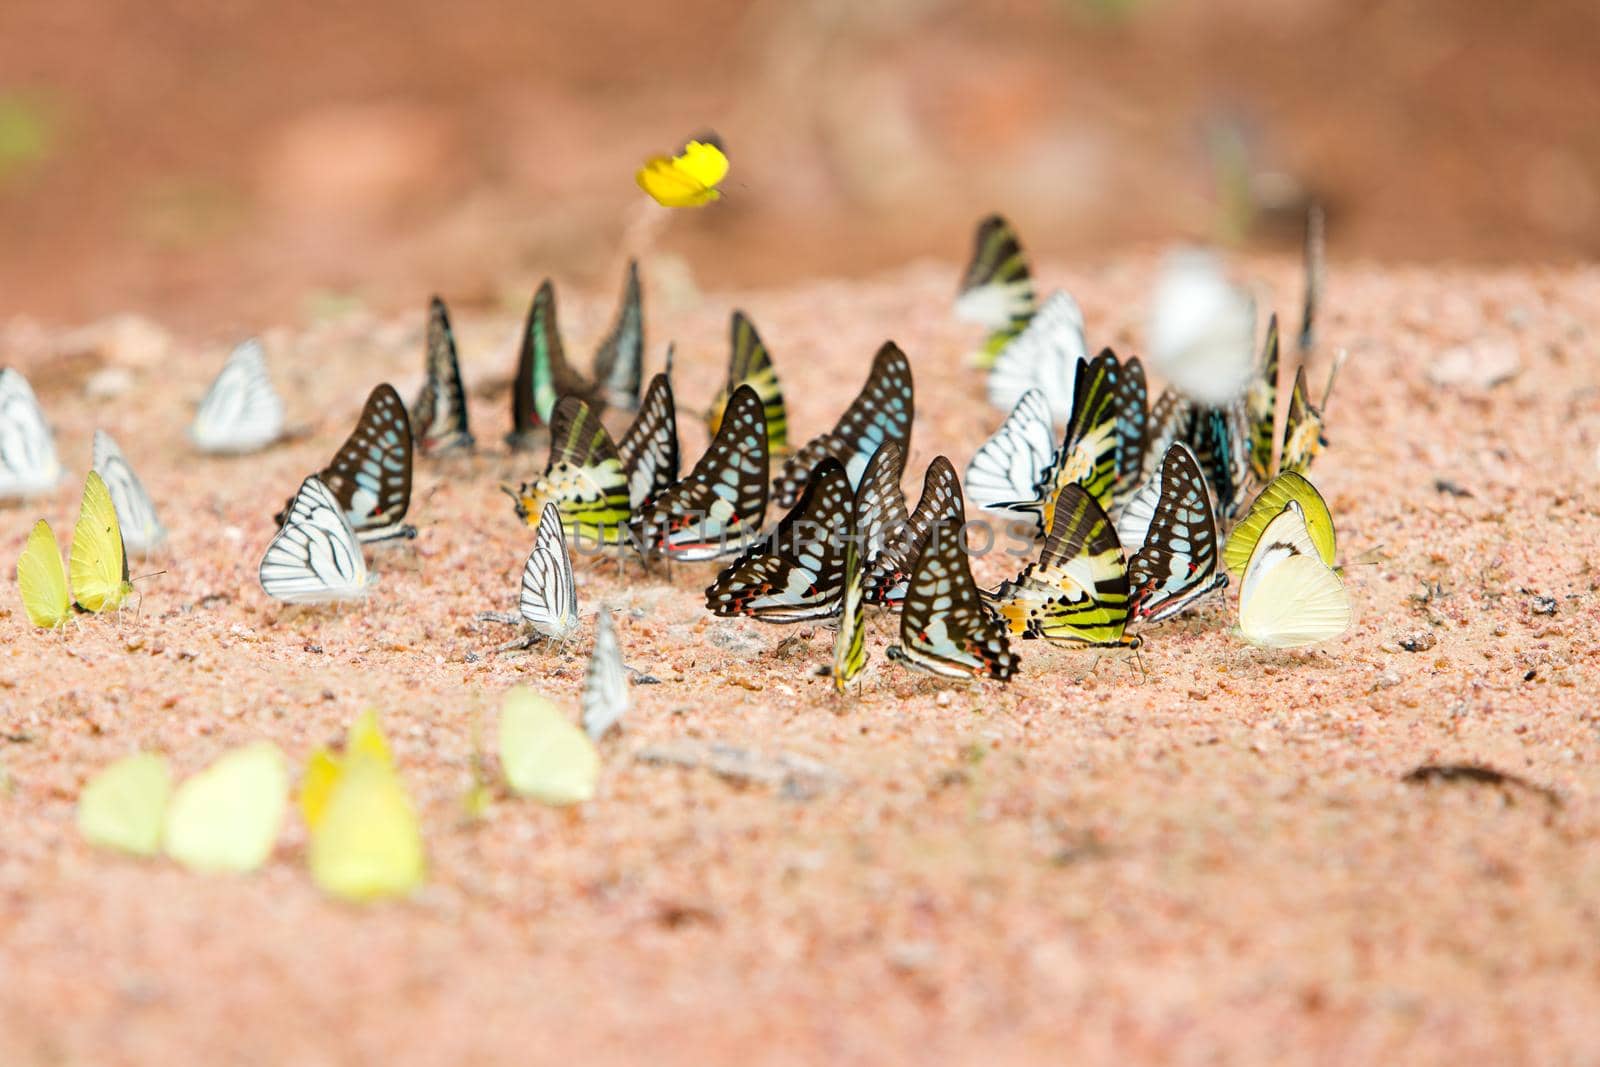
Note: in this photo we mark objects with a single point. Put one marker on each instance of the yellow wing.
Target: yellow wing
(365, 840)
(227, 817)
(688, 179)
(99, 564)
(544, 755)
(1268, 505)
(43, 579)
(124, 807)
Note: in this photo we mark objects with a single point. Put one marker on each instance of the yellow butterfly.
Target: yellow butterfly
(124, 807)
(99, 563)
(688, 179)
(365, 840)
(227, 817)
(543, 754)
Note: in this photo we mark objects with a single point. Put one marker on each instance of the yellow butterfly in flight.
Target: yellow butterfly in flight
(99, 563)
(688, 179)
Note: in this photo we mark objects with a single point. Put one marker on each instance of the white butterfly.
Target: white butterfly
(315, 558)
(549, 601)
(605, 685)
(1202, 329)
(28, 462)
(1133, 520)
(1011, 464)
(241, 411)
(1289, 597)
(1044, 357)
(136, 513)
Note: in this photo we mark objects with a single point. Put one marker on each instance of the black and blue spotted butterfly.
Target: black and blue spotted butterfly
(888, 568)
(1177, 563)
(880, 413)
(439, 416)
(370, 475)
(649, 449)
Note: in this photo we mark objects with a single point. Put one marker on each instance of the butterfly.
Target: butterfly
(548, 601)
(649, 450)
(1202, 329)
(1315, 260)
(315, 557)
(688, 179)
(1261, 402)
(849, 642)
(945, 627)
(1132, 429)
(370, 475)
(1015, 458)
(227, 817)
(439, 415)
(99, 564)
(136, 514)
(543, 755)
(124, 807)
(28, 462)
(997, 288)
(749, 363)
(1092, 445)
(1043, 357)
(1176, 563)
(1077, 591)
(882, 411)
(1302, 432)
(719, 506)
(889, 568)
(878, 514)
(795, 574)
(619, 361)
(365, 840)
(605, 683)
(1288, 487)
(241, 412)
(1290, 597)
(583, 478)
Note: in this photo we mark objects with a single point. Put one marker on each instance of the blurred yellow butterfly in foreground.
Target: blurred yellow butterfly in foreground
(688, 179)
(99, 563)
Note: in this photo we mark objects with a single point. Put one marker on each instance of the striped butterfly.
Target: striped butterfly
(879, 511)
(1077, 592)
(1219, 438)
(1169, 422)
(370, 475)
(882, 411)
(1290, 597)
(997, 288)
(945, 627)
(1261, 402)
(749, 363)
(718, 508)
(1042, 357)
(1302, 432)
(1132, 429)
(1015, 458)
(605, 684)
(549, 600)
(1176, 564)
(28, 462)
(136, 513)
(439, 415)
(1090, 449)
(796, 573)
(649, 450)
(583, 478)
(889, 568)
(619, 361)
(315, 557)
(850, 641)
(241, 412)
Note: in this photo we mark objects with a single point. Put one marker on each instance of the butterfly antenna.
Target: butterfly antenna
(1333, 372)
(152, 574)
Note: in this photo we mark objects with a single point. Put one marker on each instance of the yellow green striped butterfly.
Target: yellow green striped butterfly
(584, 479)
(1089, 452)
(849, 643)
(749, 363)
(997, 288)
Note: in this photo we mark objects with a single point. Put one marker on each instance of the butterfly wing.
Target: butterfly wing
(1177, 564)
(879, 512)
(99, 564)
(945, 628)
(544, 376)
(366, 842)
(881, 412)
(1219, 438)
(28, 462)
(749, 363)
(315, 558)
(227, 817)
(1261, 402)
(584, 478)
(241, 412)
(542, 754)
(605, 684)
(370, 475)
(1132, 429)
(889, 568)
(1302, 432)
(997, 288)
(849, 643)
(649, 450)
(1077, 591)
(549, 599)
(1288, 487)
(1043, 357)
(439, 417)
(719, 506)
(43, 580)
(1202, 330)
(619, 362)
(136, 513)
(1170, 421)
(124, 807)
(1012, 462)
(1290, 598)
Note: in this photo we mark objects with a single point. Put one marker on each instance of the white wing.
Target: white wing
(315, 558)
(605, 686)
(1289, 597)
(549, 600)
(136, 513)
(1202, 330)
(1133, 521)
(1012, 462)
(1044, 357)
(241, 412)
(28, 461)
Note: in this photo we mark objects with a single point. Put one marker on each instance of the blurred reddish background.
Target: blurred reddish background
(240, 162)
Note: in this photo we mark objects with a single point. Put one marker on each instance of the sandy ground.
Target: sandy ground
(1221, 864)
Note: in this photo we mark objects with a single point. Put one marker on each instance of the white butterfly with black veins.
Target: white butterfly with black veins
(1044, 357)
(1012, 463)
(370, 475)
(241, 412)
(549, 600)
(605, 684)
(315, 558)
(28, 462)
(1176, 564)
(136, 513)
